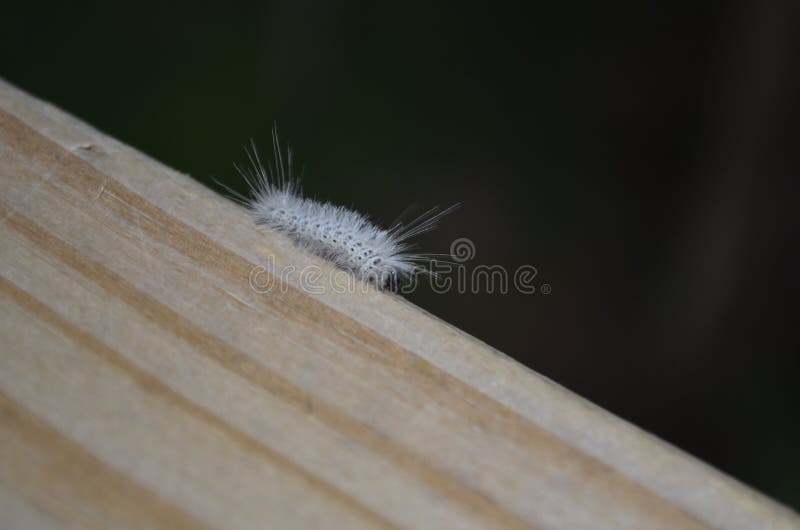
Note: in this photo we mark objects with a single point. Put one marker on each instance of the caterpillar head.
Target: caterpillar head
(386, 271)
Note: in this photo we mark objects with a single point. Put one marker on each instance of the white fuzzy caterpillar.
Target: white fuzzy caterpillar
(345, 237)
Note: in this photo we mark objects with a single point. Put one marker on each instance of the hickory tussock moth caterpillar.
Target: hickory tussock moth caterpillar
(348, 238)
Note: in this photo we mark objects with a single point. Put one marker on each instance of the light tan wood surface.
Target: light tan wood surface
(144, 383)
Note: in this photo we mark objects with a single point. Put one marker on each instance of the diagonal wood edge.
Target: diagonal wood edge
(453, 369)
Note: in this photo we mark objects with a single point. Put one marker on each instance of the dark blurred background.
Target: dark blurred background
(642, 156)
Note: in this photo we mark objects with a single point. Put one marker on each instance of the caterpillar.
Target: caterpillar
(382, 257)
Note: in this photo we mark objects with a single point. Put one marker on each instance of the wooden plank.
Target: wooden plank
(144, 382)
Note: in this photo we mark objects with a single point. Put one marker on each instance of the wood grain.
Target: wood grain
(144, 382)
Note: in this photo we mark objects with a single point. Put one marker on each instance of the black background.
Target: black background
(643, 156)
